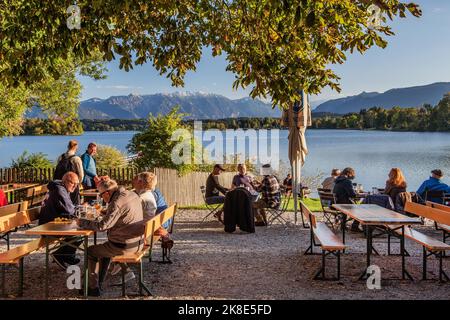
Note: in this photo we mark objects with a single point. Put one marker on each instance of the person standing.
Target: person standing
(69, 161)
(90, 167)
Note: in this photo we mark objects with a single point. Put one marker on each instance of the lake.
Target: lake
(371, 153)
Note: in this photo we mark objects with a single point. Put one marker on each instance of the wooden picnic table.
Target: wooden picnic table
(372, 215)
(12, 189)
(59, 230)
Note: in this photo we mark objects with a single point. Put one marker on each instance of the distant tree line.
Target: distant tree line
(426, 118)
(55, 126)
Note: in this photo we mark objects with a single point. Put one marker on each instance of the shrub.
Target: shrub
(33, 160)
(110, 157)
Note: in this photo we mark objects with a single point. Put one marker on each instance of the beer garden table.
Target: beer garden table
(58, 230)
(372, 215)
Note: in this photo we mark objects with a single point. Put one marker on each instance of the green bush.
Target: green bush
(110, 157)
(156, 143)
(33, 160)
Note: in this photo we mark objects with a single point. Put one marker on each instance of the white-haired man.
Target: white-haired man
(124, 222)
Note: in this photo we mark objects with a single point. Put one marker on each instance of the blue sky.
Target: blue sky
(418, 54)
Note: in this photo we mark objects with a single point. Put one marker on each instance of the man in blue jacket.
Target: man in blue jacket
(433, 184)
(89, 166)
(58, 204)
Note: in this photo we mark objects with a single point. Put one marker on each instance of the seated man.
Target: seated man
(270, 194)
(287, 184)
(213, 187)
(242, 179)
(433, 184)
(124, 222)
(59, 204)
(328, 183)
(344, 192)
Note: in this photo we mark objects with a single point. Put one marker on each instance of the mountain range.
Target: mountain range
(402, 97)
(196, 105)
(199, 105)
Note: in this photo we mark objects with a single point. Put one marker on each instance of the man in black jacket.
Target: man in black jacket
(213, 187)
(59, 204)
(344, 192)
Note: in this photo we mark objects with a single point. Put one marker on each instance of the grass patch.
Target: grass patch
(312, 204)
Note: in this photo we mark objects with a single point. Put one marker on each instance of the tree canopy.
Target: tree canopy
(57, 98)
(275, 46)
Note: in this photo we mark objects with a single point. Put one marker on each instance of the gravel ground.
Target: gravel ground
(269, 264)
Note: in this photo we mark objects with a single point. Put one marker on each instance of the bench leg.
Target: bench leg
(441, 270)
(320, 275)
(424, 262)
(123, 282)
(7, 241)
(141, 282)
(389, 244)
(20, 289)
(3, 280)
(338, 265)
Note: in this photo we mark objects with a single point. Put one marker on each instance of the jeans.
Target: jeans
(215, 200)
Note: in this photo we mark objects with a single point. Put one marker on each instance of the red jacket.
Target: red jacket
(3, 199)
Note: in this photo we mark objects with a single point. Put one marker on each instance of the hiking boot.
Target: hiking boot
(218, 216)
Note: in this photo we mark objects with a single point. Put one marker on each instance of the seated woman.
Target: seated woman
(144, 184)
(395, 184)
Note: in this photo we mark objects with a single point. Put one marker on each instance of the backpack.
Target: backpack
(63, 166)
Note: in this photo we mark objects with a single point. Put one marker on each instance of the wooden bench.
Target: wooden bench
(15, 256)
(13, 208)
(9, 210)
(149, 239)
(430, 245)
(327, 240)
(445, 228)
(36, 195)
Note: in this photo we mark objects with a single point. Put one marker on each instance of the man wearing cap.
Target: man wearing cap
(213, 187)
(433, 184)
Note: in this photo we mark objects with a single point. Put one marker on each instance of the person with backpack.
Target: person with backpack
(69, 161)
